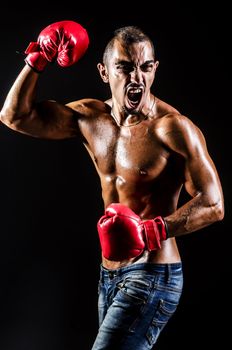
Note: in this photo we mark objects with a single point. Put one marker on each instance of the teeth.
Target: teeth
(135, 91)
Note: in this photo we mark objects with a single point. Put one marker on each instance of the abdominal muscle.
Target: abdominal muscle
(168, 254)
(146, 208)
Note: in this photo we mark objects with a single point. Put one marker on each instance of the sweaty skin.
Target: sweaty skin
(143, 149)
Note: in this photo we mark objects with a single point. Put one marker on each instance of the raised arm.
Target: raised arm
(64, 42)
(201, 178)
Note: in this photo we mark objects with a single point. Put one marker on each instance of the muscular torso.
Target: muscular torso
(142, 166)
(136, 169)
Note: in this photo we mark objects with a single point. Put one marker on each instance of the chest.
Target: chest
(132, 151)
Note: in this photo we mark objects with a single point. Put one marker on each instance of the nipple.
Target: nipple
(142, 172)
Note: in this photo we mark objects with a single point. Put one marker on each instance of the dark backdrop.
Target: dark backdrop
(50, 193)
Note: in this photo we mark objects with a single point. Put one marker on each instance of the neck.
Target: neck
(133, 119)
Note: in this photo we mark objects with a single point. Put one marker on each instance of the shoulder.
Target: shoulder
(177, 123)
(178, 132)
(89, 107)
(171, 121)
(90, 115)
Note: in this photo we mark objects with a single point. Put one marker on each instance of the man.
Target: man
(144, 151)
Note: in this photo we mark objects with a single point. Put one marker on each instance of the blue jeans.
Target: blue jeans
(135, 303)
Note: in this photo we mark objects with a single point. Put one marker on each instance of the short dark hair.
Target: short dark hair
(127, 35)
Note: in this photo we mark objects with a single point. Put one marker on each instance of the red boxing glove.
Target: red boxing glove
(64, 41)
(124, 235)
(120, 233)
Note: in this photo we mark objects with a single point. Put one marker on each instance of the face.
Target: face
(130, 73)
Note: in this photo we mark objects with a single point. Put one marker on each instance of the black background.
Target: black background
(50, 193)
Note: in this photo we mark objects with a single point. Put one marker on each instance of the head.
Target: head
(129, 67)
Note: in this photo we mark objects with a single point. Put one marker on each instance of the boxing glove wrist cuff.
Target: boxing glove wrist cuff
(35, 58)
(155, 231)
(166, 229)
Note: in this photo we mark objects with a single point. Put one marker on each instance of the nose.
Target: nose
(136, 75)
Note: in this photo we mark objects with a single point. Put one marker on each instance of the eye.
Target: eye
(124, 68)
(147, 67)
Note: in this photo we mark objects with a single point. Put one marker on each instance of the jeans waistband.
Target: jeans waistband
(172, 269)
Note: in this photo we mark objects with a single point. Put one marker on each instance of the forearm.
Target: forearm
(21, 97)
(196, 214)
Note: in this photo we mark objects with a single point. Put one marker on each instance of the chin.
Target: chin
(132, 110)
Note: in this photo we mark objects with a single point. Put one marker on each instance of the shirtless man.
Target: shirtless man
(144, 152)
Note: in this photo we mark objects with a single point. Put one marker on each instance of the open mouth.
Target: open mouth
(134, 96)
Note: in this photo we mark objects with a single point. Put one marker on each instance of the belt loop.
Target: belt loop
(168, 273)
(111, 275)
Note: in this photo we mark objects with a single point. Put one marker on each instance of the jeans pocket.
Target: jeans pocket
(135, 289)
(162, 315)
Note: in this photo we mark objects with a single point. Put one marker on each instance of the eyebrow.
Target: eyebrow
(129, 62)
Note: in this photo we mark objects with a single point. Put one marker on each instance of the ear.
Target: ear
(103, 72)
(156, 64)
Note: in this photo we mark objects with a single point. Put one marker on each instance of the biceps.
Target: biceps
(51, 120)
(201, 177)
